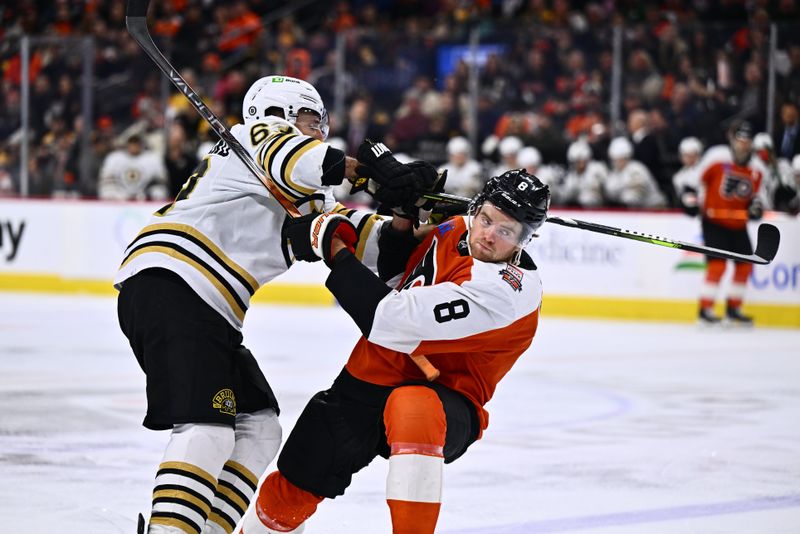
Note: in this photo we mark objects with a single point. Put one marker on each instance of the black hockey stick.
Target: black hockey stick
(136, 22)
(769, 236)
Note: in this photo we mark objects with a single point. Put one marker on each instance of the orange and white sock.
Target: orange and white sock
(415, 429)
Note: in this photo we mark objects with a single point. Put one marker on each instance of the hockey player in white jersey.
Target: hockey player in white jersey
(468, 298)
(133, 173)
(629, 183)
(530, 159)
(463, 173)
(508, 148)
(780, 188)
(583, 184)
(686, 180)
(185, 284)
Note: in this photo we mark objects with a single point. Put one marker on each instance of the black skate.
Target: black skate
(140, 526)
(708, 318)
(735, 317)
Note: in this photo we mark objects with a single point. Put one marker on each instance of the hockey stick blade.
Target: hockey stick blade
(769, 238)
(766, 247)
(136, 23)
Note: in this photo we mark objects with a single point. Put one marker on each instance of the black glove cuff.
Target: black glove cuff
(394, 249)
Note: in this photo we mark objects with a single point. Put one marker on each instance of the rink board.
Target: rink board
(75, 247)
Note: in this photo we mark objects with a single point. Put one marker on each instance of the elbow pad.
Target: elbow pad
(333, 167)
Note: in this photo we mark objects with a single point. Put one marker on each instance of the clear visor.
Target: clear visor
(489, 218)
(319, 123)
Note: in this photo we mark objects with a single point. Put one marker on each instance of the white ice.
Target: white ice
(601, 428)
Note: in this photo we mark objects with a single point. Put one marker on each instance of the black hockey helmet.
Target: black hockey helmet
(519, 194)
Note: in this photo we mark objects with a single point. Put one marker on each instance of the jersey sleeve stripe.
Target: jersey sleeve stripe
(269, 159)
(177, 252)
(196, 237)
(342, 210)
(290, 160)
(267, 148)
(363, 231)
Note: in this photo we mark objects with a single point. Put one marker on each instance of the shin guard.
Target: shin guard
(258, 437)
(415, 430)
(186, 478)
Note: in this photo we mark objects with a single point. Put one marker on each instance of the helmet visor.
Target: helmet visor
(491, 219)
(310, 118)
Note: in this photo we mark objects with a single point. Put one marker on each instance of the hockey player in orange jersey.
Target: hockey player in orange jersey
(726, 195)
(468, 298)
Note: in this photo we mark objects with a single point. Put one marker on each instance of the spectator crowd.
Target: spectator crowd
(543, 97)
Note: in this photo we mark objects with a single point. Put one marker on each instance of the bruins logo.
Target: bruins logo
(224, 401)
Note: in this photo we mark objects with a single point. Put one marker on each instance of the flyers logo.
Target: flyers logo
(736, 185)
(379, 148)
(424, 274)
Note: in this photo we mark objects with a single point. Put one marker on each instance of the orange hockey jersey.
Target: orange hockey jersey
(472, 319)
(729, 189)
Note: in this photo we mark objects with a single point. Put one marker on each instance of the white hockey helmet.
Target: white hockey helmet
(529, 157)
(579, 151)
(762, 141)
(509, 145)
(690, 145)
(458, 145)
(284, 92)
(620, 148)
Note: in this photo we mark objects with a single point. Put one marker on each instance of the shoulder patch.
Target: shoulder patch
(446, 227)
(512, 276)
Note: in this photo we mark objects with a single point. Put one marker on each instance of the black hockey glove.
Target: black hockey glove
(755, 210)
(395, 184)
(311, 236)
(420, 210)
(689, 201)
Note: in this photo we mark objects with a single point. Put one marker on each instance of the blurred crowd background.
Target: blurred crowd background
(491, 84)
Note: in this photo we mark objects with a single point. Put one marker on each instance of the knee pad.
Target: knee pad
(258, 438)
(415, 421)
(202, 445)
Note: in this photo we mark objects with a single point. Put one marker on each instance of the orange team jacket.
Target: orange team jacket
(729, 189)
(472, 319)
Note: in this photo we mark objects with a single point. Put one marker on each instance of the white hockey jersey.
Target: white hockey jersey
(465, 180)
(584, 188)
(124, 176)
(222, 234)
(633, 187)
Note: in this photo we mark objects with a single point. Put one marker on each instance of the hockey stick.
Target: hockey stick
(136, 23)
(769, 236)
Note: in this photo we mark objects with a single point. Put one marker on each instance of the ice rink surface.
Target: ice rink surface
(600, 428)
